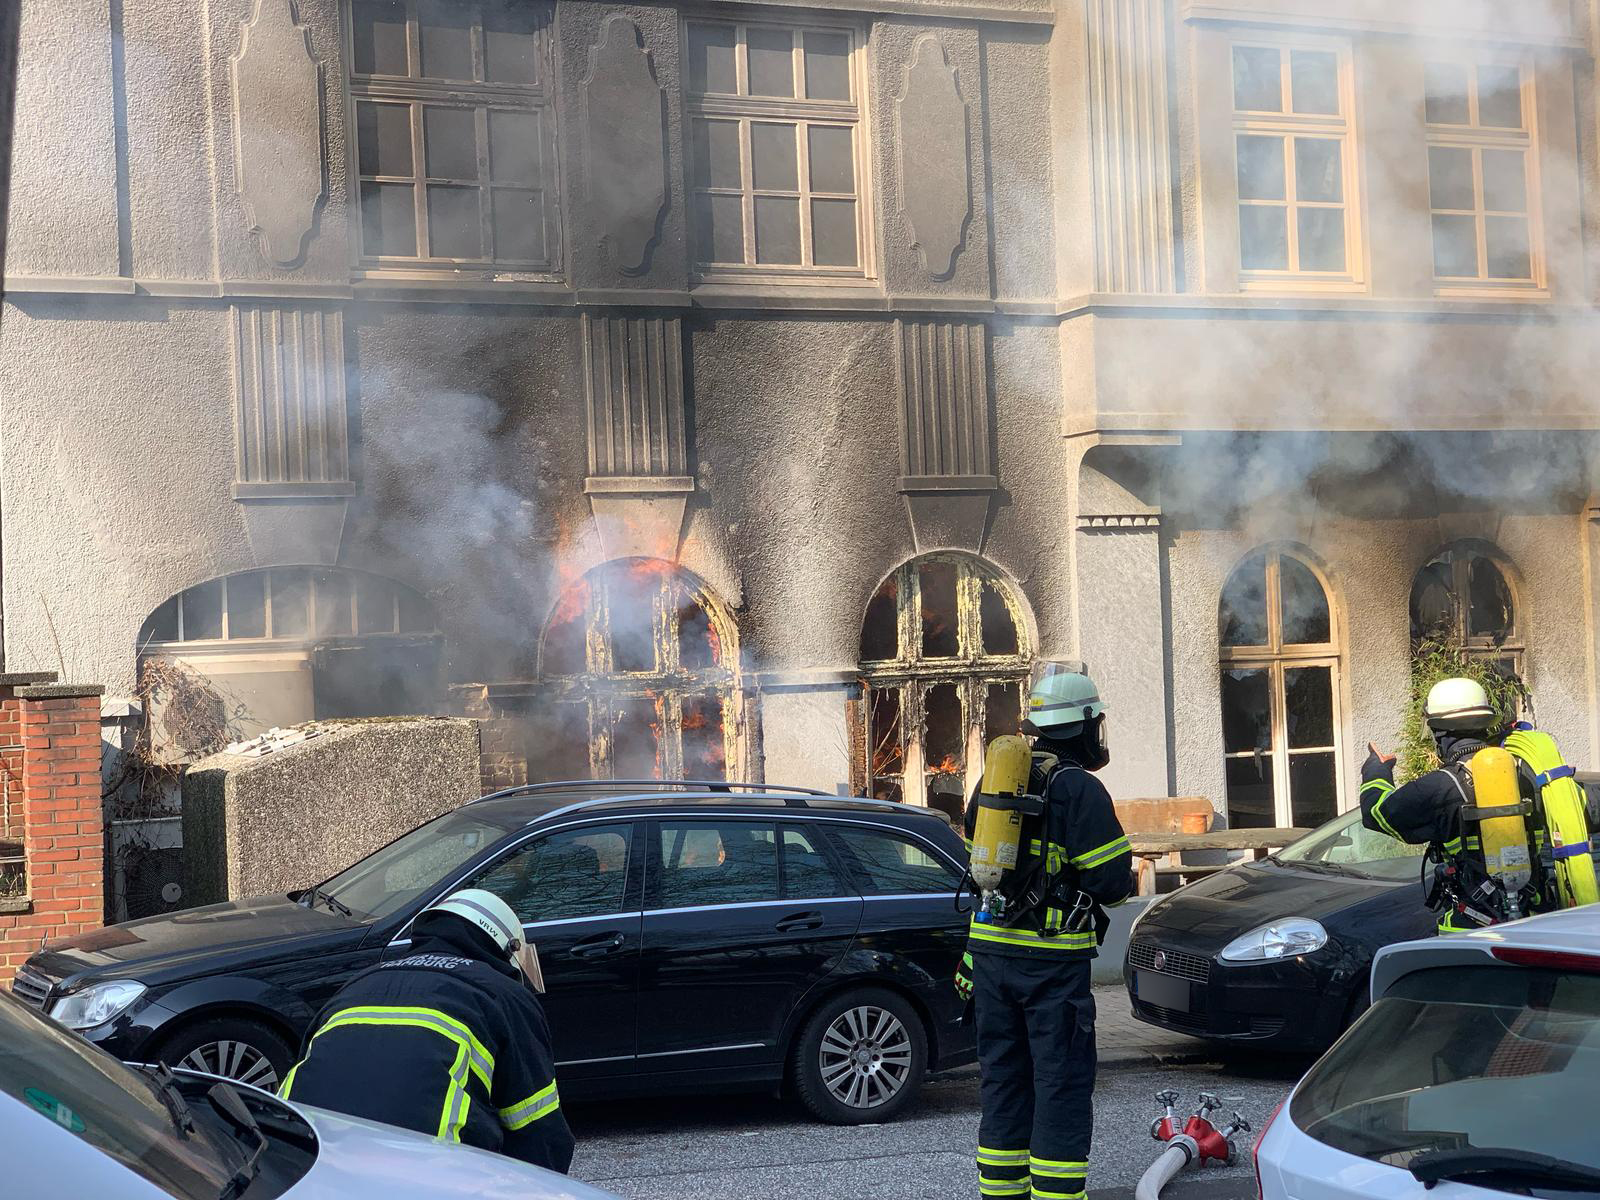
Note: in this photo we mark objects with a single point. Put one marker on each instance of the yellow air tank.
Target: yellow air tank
(997, 832)
(1504, 834)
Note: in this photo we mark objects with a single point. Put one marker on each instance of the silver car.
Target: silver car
(76, 1122)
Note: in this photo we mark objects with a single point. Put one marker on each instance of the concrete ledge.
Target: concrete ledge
(16, 904)
(60, 691)
(25, 678)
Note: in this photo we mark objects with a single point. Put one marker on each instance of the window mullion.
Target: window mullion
(1292, 201)
(747, 188)
(802, 148)
(480, 128)
(1283, 806)
(419, 187)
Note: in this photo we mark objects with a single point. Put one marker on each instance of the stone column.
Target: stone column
(807, 727)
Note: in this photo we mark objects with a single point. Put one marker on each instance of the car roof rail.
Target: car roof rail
(624, 787)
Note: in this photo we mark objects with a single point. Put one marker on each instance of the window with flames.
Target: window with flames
(641, 661)
(1462, 597)
(945, 659)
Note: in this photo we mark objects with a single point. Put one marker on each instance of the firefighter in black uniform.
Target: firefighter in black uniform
(449, 1040)
(1029, 977)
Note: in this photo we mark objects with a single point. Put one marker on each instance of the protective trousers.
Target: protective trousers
(1035, 1024)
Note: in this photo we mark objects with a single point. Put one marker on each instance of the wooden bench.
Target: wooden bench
(1256, 842)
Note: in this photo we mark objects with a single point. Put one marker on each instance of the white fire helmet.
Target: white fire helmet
(488, 912)
(1458, 704)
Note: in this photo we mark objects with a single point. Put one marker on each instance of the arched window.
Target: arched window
(292, 644)
(1463, 597)
(1281, 730)
(643, 665)
(945, 656)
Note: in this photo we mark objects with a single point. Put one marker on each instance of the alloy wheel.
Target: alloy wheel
(233, 1059)
(865, 1056)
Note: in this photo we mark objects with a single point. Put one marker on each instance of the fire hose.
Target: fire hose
(1196, 1143)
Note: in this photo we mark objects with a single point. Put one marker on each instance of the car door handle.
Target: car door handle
(802, 920)
(597, 946)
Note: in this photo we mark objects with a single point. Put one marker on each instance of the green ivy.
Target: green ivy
(1431, 661)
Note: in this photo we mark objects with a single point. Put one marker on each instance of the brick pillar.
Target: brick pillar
(502, 732)
(50, 762)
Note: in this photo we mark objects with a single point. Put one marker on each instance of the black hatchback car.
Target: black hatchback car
(691, 939)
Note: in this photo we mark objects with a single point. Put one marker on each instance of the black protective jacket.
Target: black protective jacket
(447, 1041)
(1428, 809)
(1081, 846)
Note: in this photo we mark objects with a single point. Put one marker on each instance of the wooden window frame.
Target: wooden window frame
(1277, 657)
(1477, 138)
(746, 110)
(418, 92)
(970, 670)
(1482, 646)
(1288, 125)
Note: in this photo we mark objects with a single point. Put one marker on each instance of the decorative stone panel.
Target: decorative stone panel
(277, 120)
(946, 447)
(639, 478)
(1132, 165)
(291, 419)
(625, 143)
(935, 178)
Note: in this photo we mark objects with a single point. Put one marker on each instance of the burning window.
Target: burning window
(1480, 171)
(454, 132)
(292, 644)
(945, 657)
(1463, 597)
(1294, 169)
(775, 147)
(1281, 732)
(641, 661)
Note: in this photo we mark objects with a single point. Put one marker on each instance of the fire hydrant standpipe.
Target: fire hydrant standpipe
(1180, 1152)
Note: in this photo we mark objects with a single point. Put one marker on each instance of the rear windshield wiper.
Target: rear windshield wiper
(1524, 1166)
(227, 1103)
(311, 895)
(165, 1085)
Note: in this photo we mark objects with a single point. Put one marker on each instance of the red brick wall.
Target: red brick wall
(58, 729)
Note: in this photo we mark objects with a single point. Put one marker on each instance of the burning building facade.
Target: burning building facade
(757, 390)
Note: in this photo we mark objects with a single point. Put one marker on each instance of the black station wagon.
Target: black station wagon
(694, 937)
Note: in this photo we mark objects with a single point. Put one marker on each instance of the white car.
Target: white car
(75, 1122)
(1476, 1072)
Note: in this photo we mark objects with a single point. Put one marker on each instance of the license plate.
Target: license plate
(1161, 990)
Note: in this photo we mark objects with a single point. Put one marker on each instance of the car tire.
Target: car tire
(233, 1047)
(860, 1058)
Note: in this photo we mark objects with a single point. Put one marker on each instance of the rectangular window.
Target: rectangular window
(1294, 162)
(775, 149)
(716, 862)
(1481, 172)
(454, 132)
(892, 866)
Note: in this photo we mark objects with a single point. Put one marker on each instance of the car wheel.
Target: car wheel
(860, 1058)
(233, 1048)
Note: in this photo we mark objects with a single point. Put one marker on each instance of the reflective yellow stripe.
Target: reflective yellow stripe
(541, 1104)
(1103, 854)
(456, 1101)
(1051, 1166)
(1083, 940)
(1453, 846)
(288, 1080)
(1041, 1194)
(1017, 1187)
(1377, 814)
(478, 1057)
(1001, 1158)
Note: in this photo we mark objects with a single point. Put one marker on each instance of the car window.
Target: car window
(716, 862)
(1464, 1057)
(576, 873)
(65, 1080)
(1346, 843)
(392, 877)
(892, 865)
(807, 872)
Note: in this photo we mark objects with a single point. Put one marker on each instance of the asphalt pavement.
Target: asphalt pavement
(762, 1148)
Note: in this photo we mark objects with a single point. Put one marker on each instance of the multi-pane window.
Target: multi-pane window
(1292, 141)
(642, 664)
(775, 154)
(946, 660)
(1480, 172)
(1462, 597)
(1280, 695)
(454, 134)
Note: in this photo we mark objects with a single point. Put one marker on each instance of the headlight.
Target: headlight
(1281, 939)
(97, 1004)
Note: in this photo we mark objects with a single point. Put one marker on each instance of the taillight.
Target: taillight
(1557, 960)
(1255, 1154)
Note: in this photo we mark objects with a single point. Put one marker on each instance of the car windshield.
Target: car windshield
(82, 1089)
(386, 881)
(1470, 1057)
(1348, 845)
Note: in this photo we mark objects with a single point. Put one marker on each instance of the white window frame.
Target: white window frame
(1288, 125)
(1277, 657)
(746, 109)
(420, 91)
(1478, 138)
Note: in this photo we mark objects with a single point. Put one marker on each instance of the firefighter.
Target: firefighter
(1028, 975)
(1504, 828)
(449, 1040)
